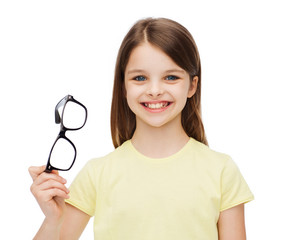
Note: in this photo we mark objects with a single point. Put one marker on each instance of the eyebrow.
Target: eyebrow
(142, 71)
(135, 71)
(175, 70)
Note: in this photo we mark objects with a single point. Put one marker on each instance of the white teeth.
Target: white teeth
(156, 105)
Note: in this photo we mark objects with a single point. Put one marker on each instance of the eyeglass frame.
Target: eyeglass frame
(63, 129)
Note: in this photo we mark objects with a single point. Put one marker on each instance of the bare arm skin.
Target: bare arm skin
(62, 221)
(231, 224)
(70, 228)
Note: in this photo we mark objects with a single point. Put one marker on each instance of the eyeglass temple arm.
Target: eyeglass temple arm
(60, 104)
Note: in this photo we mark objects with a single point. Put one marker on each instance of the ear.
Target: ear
(193, 87)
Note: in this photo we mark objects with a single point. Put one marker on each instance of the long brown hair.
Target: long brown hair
(176, 41)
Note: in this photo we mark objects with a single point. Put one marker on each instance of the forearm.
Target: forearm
(49, 231)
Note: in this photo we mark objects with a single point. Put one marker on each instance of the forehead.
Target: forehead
(148, 57)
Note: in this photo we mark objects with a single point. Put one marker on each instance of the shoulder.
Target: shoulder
(207, 155)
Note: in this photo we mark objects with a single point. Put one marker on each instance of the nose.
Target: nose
(155, 89)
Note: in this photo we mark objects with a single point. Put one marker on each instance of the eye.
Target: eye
(172, 78)
(139, 78)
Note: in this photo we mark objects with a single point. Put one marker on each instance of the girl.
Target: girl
(162, 181)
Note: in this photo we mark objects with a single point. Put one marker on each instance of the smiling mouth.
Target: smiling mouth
(158, 105)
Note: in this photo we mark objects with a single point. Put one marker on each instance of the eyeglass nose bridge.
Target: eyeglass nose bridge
(62, 133)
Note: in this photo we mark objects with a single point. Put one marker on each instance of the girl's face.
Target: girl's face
(156, 87)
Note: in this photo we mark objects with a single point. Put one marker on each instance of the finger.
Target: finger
(43, 177)
(45, 194)
(55, 172)
(53, 184)
(44, 191)
(35, 171)
(48, 195)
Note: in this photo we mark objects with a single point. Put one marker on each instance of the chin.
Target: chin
(162, 123)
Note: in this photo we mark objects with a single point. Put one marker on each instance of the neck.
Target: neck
(159, 142)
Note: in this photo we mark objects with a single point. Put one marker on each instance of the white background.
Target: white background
(49, 49)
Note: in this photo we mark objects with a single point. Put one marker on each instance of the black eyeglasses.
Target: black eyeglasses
(71, 115)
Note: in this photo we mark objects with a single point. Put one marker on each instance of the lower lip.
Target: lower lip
(156, 110)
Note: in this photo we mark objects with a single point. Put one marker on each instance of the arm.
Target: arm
(70, 228)
(62, 221)
(231, 224)
(74, 223)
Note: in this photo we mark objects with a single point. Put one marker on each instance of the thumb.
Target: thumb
(35, 171)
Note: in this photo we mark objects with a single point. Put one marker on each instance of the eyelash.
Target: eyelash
(138, 78)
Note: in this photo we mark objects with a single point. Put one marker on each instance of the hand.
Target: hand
(50, 191)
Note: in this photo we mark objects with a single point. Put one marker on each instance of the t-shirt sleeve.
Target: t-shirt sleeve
(234, 189)
(83, 190)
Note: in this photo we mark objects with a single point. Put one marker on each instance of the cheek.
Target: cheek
(181, 92)
(181, 95)
(131, 96)
(128, 92)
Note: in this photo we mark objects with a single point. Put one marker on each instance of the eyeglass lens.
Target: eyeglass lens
(74, 115)
(62, 155)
